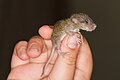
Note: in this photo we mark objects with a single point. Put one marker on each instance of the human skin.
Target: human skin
(29, 58)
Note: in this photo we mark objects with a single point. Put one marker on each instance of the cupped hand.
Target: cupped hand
(30, 57)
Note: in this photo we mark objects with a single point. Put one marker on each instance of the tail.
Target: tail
(47, 63)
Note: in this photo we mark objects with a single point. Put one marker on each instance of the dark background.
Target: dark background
(20, 20)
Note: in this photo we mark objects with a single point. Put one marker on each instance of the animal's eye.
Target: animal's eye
(85, 21)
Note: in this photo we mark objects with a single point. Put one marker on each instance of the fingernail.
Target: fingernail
(22, 53)
(34, 48)
(22, 50)
(72, 42)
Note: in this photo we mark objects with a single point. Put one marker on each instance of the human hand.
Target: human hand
(27, 63)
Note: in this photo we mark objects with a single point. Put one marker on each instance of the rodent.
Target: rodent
(75, 23)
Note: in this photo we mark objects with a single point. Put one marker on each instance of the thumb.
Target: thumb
(64, 67)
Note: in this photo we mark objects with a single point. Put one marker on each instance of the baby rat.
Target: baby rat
(69, 26)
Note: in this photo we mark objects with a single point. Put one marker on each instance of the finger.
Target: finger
(20, 56)
(84, 62)
(36, 49)
(45, 32)
(65, 65)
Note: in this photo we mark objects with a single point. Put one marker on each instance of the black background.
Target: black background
(20, 20)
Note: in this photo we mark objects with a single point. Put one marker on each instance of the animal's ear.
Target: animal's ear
(74, 20)
(51, 26)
